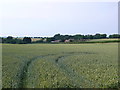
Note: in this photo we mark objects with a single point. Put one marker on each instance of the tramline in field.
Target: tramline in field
(60, 65)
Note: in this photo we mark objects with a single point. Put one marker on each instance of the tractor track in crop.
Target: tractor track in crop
(66, 54)
(24, 70)
(73, 76)
(78, 80)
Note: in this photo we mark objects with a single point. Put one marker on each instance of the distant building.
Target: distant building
(69, 40)
(55, 41)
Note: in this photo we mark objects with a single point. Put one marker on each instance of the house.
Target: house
(55, 41)
(69, 40)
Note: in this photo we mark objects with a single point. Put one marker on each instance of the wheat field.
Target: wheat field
(59, 65)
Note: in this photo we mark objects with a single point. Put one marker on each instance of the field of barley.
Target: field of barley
(59, 65)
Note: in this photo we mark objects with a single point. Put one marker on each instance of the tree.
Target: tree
(103, 35)
(88, 37)
(97, 36)
(50, 39)
(57, 36)
(114, 36)
(9, 38)
(66, 37)
(27, 40)
(78, 37)
(18, 41)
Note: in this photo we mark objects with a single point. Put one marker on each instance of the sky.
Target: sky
(47, 18)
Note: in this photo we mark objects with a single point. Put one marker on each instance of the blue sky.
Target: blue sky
(49, 18)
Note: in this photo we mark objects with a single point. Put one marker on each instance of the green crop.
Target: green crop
(59, 65)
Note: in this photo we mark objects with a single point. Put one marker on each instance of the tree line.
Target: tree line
(80, 37)
(12, 40)
(61, 38)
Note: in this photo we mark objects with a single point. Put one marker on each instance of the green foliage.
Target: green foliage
(97, 36)
(50, 39)
(9, 38)
(103, 36)
(57, 37)
(78, 38)
(89, 37)
(114, 36)
(12, 40)
(27, 40)
(60, 65)
(115, 85)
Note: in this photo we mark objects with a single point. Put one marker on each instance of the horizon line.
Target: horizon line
(54, 34)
